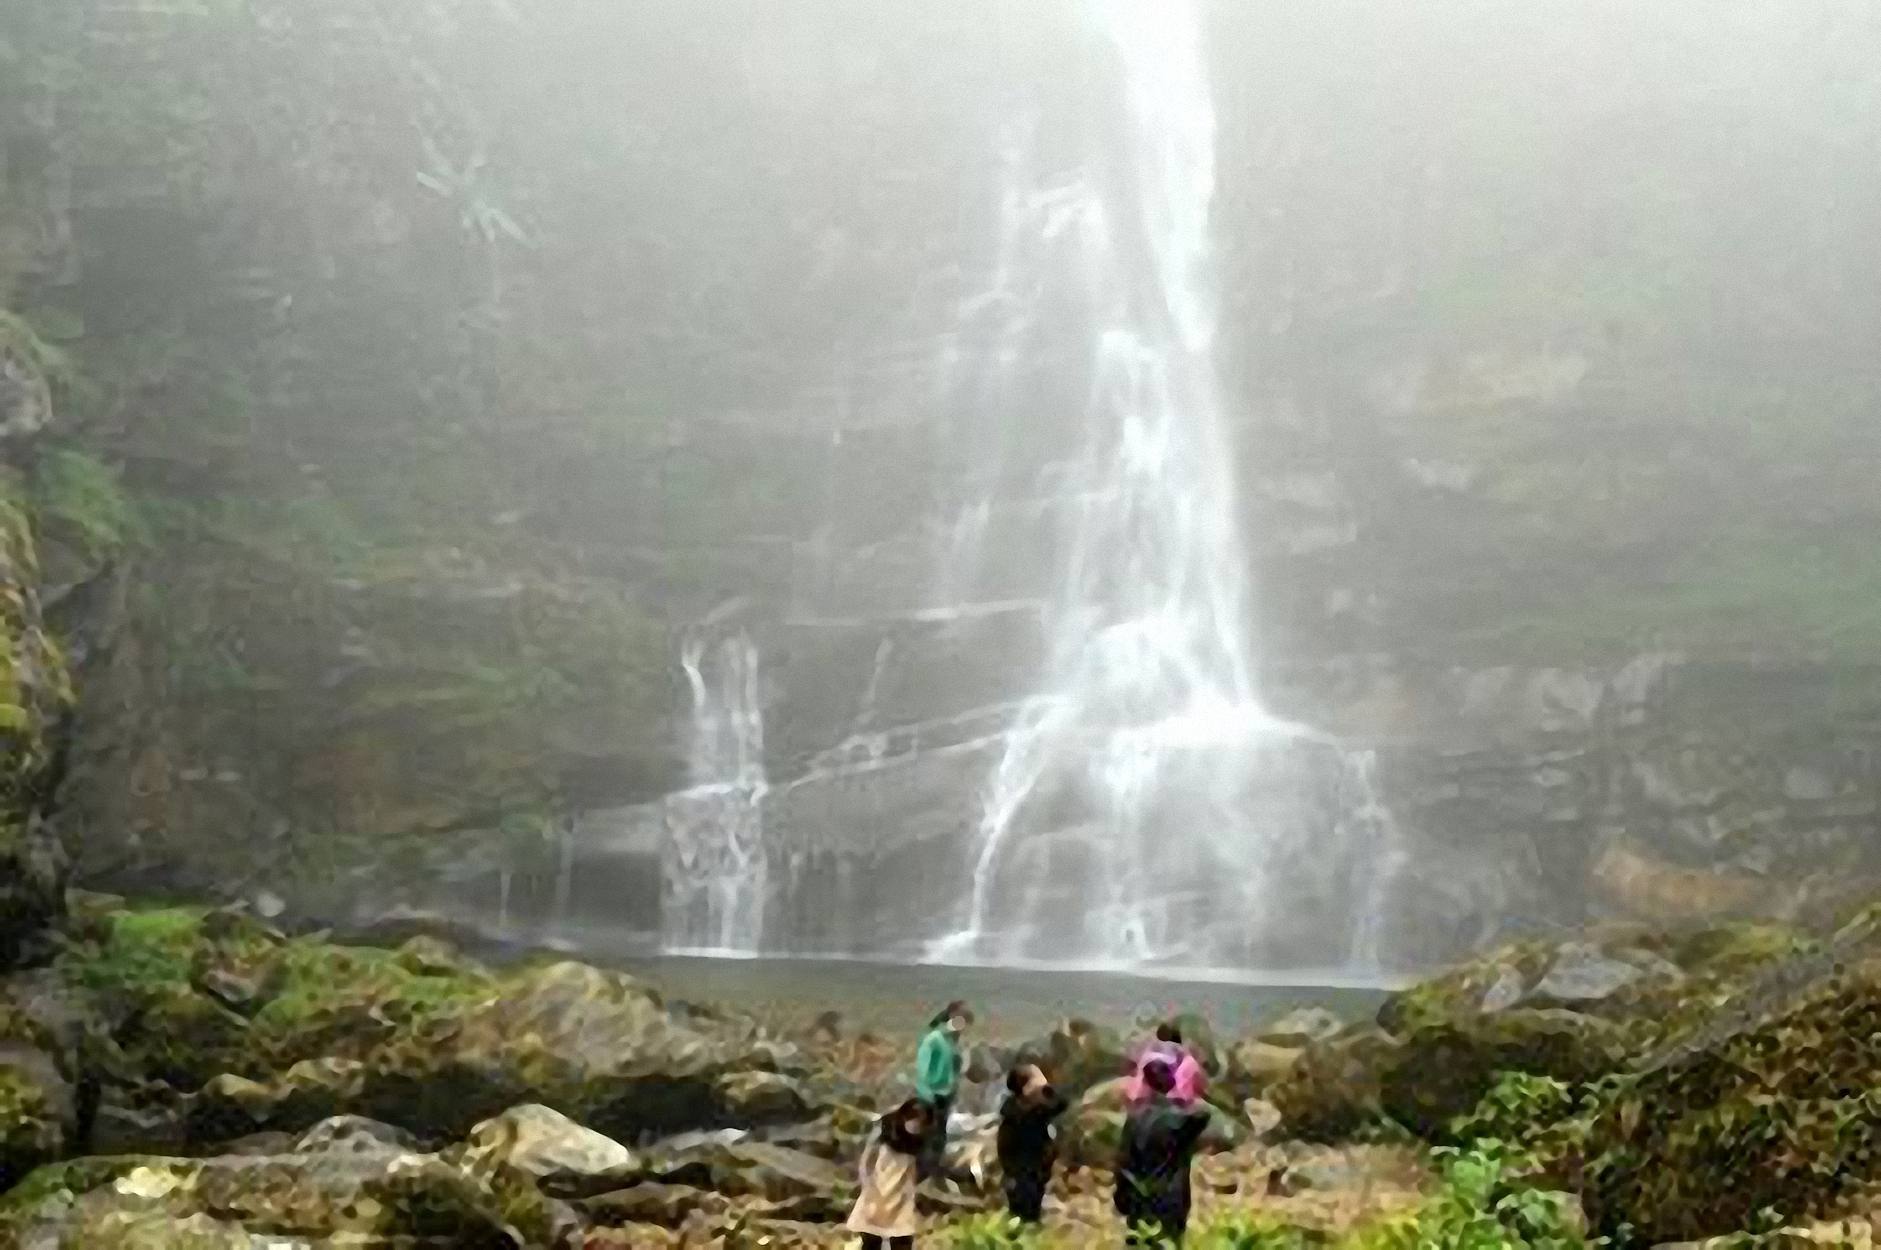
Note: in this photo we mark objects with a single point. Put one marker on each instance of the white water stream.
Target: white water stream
(1142, 802)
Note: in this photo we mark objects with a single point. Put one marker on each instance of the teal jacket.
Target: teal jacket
(935, 1065)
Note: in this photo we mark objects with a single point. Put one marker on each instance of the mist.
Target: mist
(1261, 488)
(700, 623)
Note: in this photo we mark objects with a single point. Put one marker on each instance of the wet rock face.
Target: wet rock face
(34, 696)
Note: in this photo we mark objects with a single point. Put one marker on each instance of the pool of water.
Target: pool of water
(1008, 1002)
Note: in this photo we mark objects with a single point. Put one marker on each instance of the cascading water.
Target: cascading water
(1378, 868)
(1146, 805)
(1027, 725)
(715, 872)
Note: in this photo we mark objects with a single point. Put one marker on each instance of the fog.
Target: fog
(1236, 487)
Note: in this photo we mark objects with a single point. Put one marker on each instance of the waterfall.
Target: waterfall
(1030, 727)
(1147, 805)
(715, 871)
(1379, 866)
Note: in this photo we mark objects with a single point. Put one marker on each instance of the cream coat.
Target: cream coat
(885, 1207)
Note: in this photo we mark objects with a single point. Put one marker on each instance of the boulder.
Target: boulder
(238, 963)
(1620, 972)
(777, 1173)
(353, 1134)
(1198, 1037)
(1776, 1112)
(184, 1038)
(1262, 1117)
(539, 1141)
(753, 1098)
(38, 1106)
(232, 1106)
(1336, 1087)
(972, 1153)
(1255, 1065)
(1091, 1131)
(1077, 1056)
(726, 1162)
(139, 1118)
(1442, 1072)
(655, 1203)
(427, 955)
(364, 1198)
(1302, 1027)
(1439, 1072)
(1581, 974)
(33, 1130)
(597, 1046)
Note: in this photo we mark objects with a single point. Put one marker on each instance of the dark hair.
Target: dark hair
(1159, 1076)
(955, 1008)
(1169, 1032)
(895, 1134)
(1017, 1080)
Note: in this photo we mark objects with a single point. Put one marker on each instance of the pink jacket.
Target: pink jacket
(1190, 1079)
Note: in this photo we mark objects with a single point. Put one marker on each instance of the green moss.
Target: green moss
(1781, 1116)
(140, 951)
(73, 1176)
(80, 494)
(318, 975)
(30, 1132)
(1735, 949)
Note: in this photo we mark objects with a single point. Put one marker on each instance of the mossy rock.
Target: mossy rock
(65, 1179)
(136, 953)
(1497, 978)
(31, 1129)
(184, 1038)
(387, 1198)
(35, 693)
(1442, 1072)
(1781, 1114)
(355, 1031)
(419, 1037)
(1336, 1089)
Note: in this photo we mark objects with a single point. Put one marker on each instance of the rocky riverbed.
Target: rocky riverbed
(195, 1078)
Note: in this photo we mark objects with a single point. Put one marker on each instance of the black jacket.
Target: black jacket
(1159, 1139)
(1025, 1134)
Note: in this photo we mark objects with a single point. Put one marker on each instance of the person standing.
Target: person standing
(1026, 1148)
(884, 1211)
(937, 1078)
(1159, 1139)
(1169, 1048)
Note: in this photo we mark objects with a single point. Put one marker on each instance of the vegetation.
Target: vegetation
(1479, 1204)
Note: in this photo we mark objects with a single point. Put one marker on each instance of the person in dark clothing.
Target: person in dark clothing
(1159, 1140)
(1026, 1149)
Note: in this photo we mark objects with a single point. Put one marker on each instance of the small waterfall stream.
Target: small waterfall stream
(715, 875)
